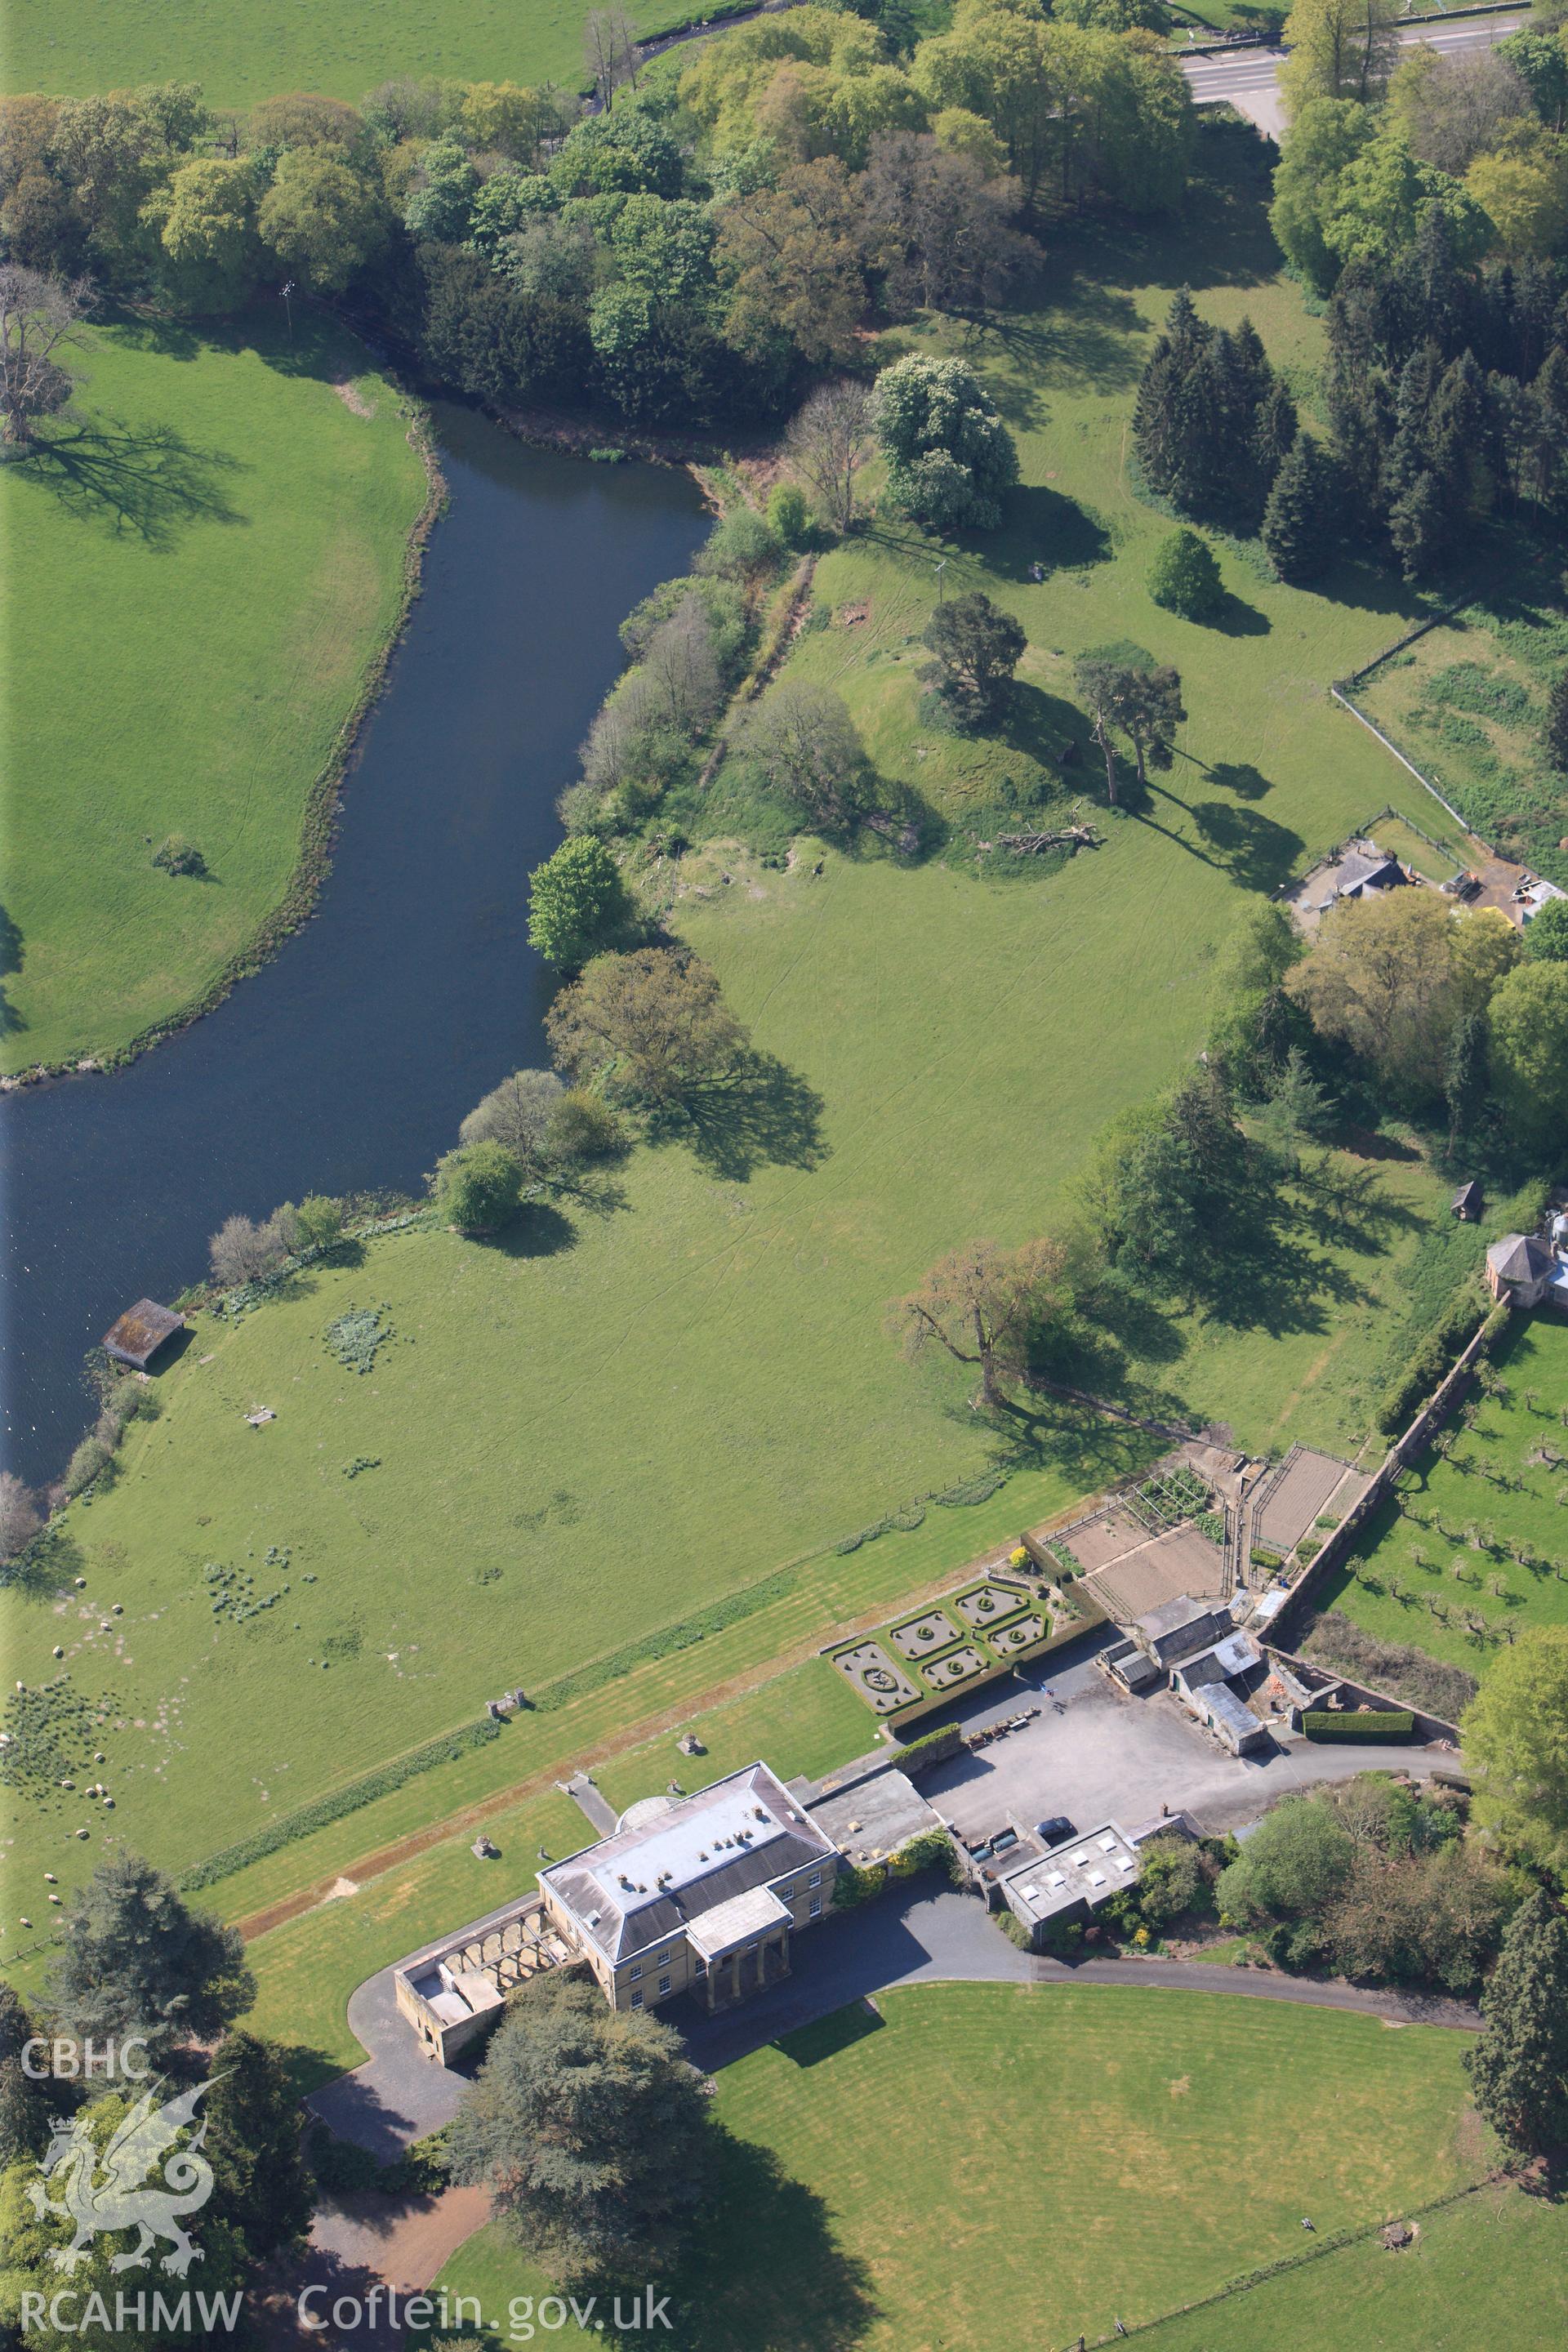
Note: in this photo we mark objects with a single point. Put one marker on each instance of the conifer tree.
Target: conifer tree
(1518, 2068)
(1301, 521)
(1557, 723)
(1419, 526)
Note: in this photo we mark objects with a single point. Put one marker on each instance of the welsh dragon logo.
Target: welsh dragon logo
(106, 2191)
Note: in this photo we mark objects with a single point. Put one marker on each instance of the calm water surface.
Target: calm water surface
(348, 1061)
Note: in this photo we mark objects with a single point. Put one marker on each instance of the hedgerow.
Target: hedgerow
(336, 1804)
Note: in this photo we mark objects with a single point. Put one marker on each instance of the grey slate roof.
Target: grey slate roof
(1519, 1258)
(141, 1331)
(1359, 872)
(739, 1832)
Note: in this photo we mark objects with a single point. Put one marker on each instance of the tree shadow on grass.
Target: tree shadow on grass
(1081, 337)
(1233, 617)
(153, 485)
(767, 1116)
(1248, 782)
(540, 1231)
(1050, 730)
(50, 1564)
(1221, 238)
(11, 1021)
(1254, 849)
(766, 2273)
(1040, 526)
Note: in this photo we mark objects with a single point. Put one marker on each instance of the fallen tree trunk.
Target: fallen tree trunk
(1029, 845)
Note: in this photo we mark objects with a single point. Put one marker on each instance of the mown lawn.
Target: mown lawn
(607, 1423)
(201, 572)
(1494, 1489)
(343, 48)
(1492, 2269)
(986, 2164)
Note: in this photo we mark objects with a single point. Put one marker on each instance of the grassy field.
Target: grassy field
(241, 55)
(220, 1727)
(1492, 1491)
(611, 1422)
(202, 574)
(1490, 2270)
(1467, 703)
(1078, 2155)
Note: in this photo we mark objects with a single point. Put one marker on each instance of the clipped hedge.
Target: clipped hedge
(934, 1748)
(1333, 1723)
(333, 1807)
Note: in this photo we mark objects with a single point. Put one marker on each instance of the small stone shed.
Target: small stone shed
(140, 1333)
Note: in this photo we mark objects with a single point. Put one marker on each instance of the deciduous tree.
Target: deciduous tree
(576, 902)
(321, 220)
(1184, 577)
(949, 456)
(980, 1303)
(1516, 1736)
(40, 323)
(652, 1026)
(791, 257)
(939, 228)
(1546, 933)
(20, 1518)
(976, 648)
(1338, 49)
(804, 743)
(1528, 1021)
(478, 1187)
(589, 2127)
(827, 445)
(518, 1113)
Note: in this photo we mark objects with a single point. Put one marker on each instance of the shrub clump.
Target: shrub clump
(1184, 577)
(178, 855)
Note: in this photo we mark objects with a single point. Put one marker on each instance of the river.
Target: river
(347, 1063)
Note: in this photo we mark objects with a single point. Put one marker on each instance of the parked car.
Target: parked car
(1052, 1832)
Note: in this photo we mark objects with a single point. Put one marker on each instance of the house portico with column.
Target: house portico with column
(700, 1894)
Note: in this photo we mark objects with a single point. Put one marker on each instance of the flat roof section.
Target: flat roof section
(740, 1921)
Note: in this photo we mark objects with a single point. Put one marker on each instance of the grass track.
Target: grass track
(994, 2165)
(203, 575)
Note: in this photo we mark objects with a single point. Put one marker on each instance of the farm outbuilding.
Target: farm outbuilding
(141, 1332)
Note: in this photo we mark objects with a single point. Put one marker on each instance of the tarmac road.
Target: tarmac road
(1249, 80)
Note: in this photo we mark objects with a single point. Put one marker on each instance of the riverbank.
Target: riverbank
(214, 559)
(346, 1064)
